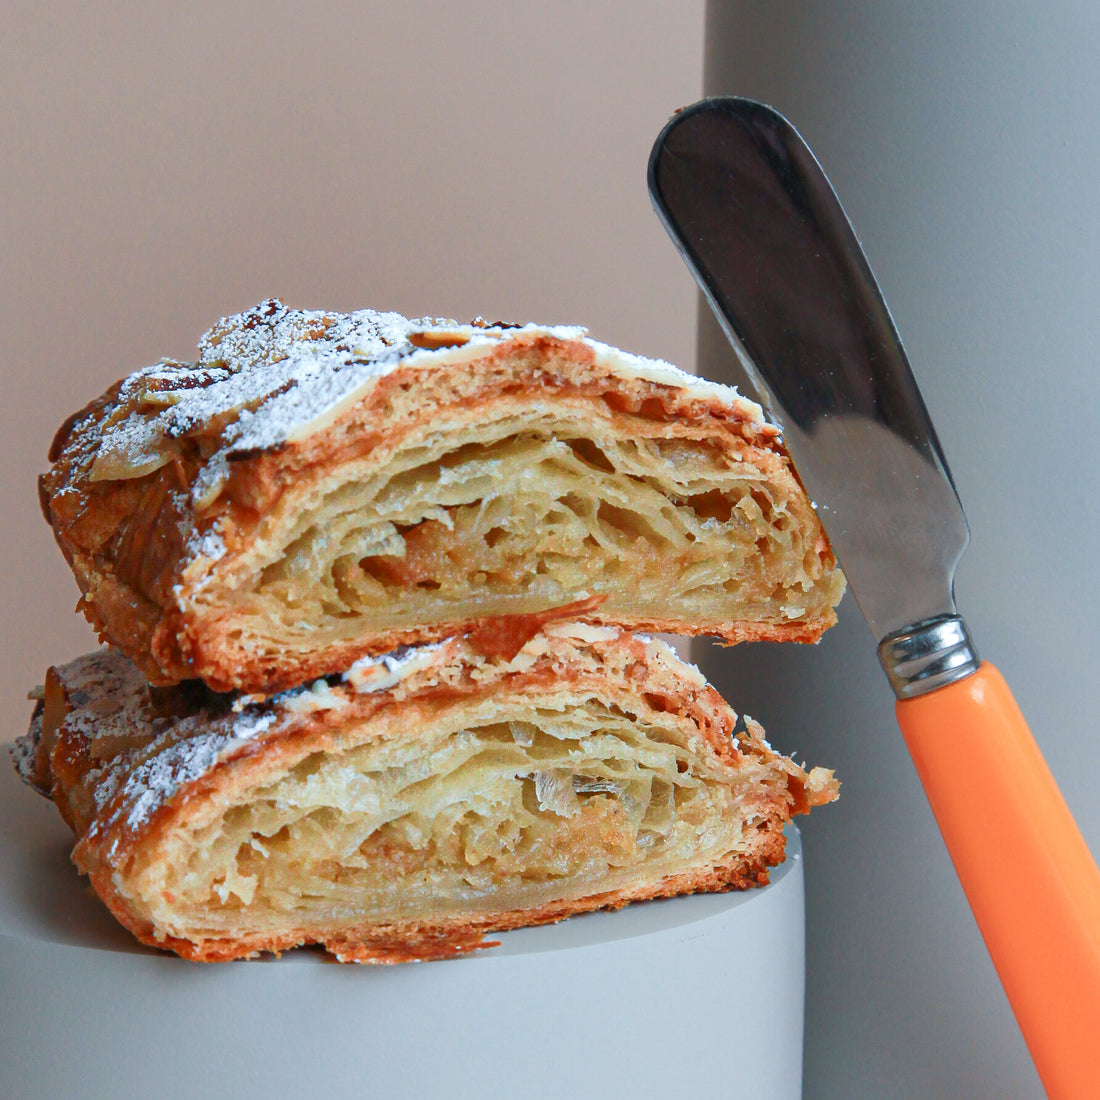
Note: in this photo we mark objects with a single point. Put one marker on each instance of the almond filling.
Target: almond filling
(543, 804)
(523, 520)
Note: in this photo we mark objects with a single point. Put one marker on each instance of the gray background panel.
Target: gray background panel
(964, 142)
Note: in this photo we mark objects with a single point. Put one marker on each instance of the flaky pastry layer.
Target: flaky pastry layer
(318, 487)
(414, 804)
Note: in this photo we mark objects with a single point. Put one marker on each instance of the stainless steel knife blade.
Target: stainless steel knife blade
(761, 229)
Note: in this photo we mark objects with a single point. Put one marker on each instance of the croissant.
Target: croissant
(422, 799)
(319, 487)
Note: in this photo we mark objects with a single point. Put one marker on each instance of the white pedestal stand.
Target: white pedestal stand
(699, 995)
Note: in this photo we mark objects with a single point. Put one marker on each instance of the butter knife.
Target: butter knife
(768, 242)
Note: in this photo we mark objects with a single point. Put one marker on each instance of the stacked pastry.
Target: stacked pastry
(370, 589)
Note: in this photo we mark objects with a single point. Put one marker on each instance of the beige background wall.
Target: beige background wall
(164, 165)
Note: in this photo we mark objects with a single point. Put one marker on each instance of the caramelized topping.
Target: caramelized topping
(433, 339)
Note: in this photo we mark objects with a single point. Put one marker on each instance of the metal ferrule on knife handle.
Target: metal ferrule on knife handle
(928, 655)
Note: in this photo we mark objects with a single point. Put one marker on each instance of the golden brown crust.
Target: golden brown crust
(157, 506)
(130, 768)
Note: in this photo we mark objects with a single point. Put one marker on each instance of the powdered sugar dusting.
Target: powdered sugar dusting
(259, 375)
(208, 545)
(149, 757)
(271, 375)
(657, 648)
(154, 782)
(295, 365)
(23, 752)
(667, 374)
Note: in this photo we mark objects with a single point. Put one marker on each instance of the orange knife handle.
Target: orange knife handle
(1028, 874)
